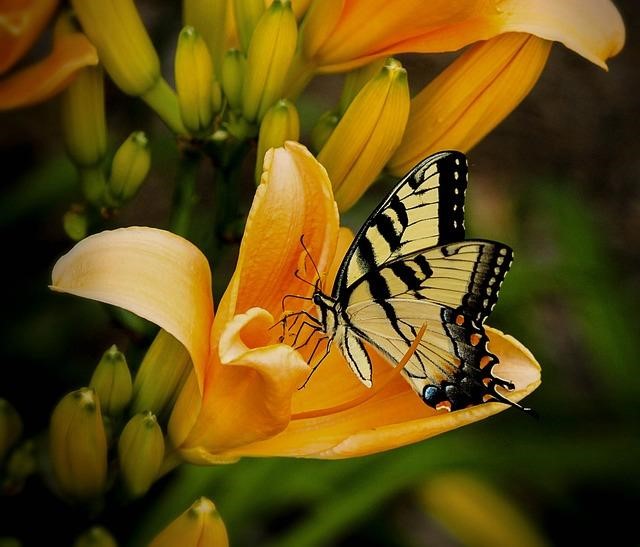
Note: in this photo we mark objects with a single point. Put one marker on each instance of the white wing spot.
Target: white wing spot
(485, 302)
(496, 271)
(489, 290)
(500, 260)
(456, 175)
(456, 191)
(457, 161)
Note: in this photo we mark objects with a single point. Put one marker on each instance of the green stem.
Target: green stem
(185, 196)
(164, 101)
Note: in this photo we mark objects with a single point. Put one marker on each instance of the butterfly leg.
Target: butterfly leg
(315, 367)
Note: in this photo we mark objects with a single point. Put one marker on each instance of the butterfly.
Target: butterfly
(408, 265)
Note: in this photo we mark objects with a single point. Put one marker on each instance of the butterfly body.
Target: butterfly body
(409, 265)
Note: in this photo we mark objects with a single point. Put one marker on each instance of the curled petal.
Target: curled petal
(592, 28)
(152, 273)
(473, 95)
(395, 415)
(21, 22)
(248, 396)
(294, 199)
(44, 79)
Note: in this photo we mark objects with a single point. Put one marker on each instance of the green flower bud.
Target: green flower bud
(281, 123)
(75, 224)
(271, 50)
(233, 70)
(84, 125)
(194, 77)
(247, 14)
(22, 463)
(322, 130)
(208, 17)
(112, 382)
(78, 445)
(216, 96)
(10, 427)
(129, 168)
(141, 450)
(95, 537)
(163, 371)
(201, 524)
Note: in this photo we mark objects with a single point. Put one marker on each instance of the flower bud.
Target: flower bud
(95, 537)
(129, 168)
(216, 96)
(78, 446)
(162, 373)
(270, 53)
(201, 524)
(10, 427)
(247, 14)
(233, 71)
(281, 123)
(22, 463)
(367, 135)
(84, 126)
(111, 381)
(141, 450)
(208, 17)
(194, 78)
(322, 130)
(75, 223)
(125, 49)
(356, 80)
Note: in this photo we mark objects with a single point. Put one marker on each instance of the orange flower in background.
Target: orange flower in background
(243, 398)
(21, 23)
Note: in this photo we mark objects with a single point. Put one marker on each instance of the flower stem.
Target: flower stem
(185, 196)
(163, 100)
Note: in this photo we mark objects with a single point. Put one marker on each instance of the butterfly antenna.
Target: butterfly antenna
(315, 266)
(298, 276)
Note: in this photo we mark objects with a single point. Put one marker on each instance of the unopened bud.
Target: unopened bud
(141, 450)
(281, 123)
(112, 382)
(129, 168)
(233, 71)
(208, 17)
(78, 446)
(201, 524)
(247, 14)
(271, 50)
(163, 371)
(10, 427)
(95, 537)
(194, 78)
(322, 130)
(75, 223)
(22, 463)
(355, 80)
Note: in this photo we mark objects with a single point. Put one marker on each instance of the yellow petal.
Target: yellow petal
(395, 416)
(248, 395)
(592, 28)
(21, 22)
(42, 80)
(294, 199)
(473, 95)
(152, 273)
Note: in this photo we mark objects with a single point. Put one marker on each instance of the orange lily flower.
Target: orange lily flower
(21, 22)
(243, 397)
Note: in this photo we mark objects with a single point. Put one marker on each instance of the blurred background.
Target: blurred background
(557, 181)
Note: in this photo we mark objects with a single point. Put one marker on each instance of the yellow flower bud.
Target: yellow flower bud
(95, 537)
(75, 224)
(367, 135)
(84, 126)
(322, 130)
(208, 17)
(247, 14)
(356, 80)
(216, 96)
(112, 382)
(78, 445)
(201, 524)
(10, 427)
(163, 371)
(194, 78)
(129, 168)
(281, 123)
(141, 450)
(270, 53)
(233, 71)
(125, 49)
(22, 463)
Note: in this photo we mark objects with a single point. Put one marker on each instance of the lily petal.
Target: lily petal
(592, 28)
(294, 198)
(473, 95)
(152, 273)
(395, 415)
(248, 397)
(21, 22)
(44, 79)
